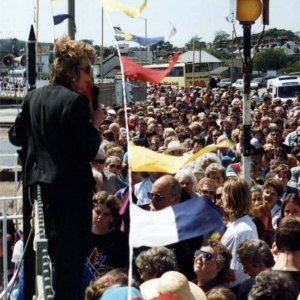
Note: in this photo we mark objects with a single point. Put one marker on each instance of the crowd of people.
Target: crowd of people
(256, 252)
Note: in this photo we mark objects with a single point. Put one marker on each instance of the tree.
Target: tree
(162, 46)
(221, 39)
(196, 43)
(274, 33)
(220, 54)
(271, 59)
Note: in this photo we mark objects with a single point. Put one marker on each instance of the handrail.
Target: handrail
(43, 274)
(43, 264)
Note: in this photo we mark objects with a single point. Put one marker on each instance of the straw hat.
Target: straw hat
(173, 146)
(173, 283)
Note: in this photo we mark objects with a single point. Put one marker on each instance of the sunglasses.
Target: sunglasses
(86, 69)
(115, 166)
(207, 192)
(99, 161)
(203, 254)
(156, 196)
(218, 196)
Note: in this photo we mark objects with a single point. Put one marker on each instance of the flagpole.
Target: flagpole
(102, 46)
(71, 11)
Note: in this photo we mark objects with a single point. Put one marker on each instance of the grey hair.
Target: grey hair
(208, 157)
(256, 188)
(186, 173)
(156, 261)
(256, 252)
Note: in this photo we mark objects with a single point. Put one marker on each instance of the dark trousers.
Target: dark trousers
(68, 218)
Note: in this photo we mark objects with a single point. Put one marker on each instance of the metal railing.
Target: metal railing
(6, 201)
(44, 289)
(43, 264)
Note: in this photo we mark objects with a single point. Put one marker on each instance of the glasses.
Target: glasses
(207, 192)
(218, 196)
(86, 69)
(203, 254)
(99, 161)
(156, 196)
(115, 166)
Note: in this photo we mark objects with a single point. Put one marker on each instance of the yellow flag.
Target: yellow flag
(145, 160)
(111, 5)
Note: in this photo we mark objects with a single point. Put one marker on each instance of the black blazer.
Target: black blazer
(55, 129)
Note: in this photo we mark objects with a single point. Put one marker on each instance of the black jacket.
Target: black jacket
(60, 141)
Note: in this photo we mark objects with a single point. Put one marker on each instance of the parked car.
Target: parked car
(239, 84)
(258, 83)
(224, 82)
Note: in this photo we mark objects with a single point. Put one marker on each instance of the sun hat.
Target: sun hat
(121, 292)
(174, 283)
(173, 146)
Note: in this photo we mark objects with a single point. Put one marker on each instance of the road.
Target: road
(7, 116)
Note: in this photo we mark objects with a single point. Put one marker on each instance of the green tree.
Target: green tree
(271, 59)
(220, 54)
(195, 42)
(165, 46)
(274, 33)
(221, 39)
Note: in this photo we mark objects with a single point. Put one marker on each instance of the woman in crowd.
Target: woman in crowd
(291, 206)
(211, 264)
(154, 262)
(272, 191)
(109, 246)
(237, 203)
(263, 213)
(187, 181)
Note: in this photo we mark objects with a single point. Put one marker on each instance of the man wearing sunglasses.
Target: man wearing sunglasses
(166, 191)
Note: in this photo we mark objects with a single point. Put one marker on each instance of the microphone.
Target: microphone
(95, 93)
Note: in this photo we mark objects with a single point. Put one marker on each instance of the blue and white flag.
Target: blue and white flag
(179, 222)
(146, 42)
(60, 18)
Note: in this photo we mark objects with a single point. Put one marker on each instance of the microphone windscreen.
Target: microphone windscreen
(95, 94)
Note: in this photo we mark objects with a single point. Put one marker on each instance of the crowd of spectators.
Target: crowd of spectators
(261, 234)
(183, 121)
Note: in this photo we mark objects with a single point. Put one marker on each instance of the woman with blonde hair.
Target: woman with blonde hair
(236, 199)
(60, 130)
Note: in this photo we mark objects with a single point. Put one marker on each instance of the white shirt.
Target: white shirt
(276, 213)
(141, 189)
(238, 231)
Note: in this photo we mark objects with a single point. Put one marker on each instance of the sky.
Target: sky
(190, 17)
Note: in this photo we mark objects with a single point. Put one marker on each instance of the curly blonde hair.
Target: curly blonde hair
(67, 58)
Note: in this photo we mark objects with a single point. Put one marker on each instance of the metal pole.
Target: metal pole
(71, 23)
(246, 160)
(146, 37)
(193, 71)
(102, 46)
(29, 256)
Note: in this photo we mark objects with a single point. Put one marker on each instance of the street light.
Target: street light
(248, 12)
(146, 25)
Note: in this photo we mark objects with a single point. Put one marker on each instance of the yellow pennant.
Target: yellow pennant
(145, 160)
(111, 5)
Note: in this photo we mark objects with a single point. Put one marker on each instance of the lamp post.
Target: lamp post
(247, 13)
(146, 33)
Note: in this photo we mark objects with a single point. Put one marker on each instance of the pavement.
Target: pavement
(7, 150)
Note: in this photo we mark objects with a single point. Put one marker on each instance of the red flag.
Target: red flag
(137, 72)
